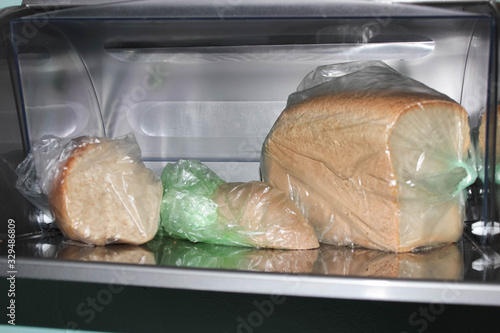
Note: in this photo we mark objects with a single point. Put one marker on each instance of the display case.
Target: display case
(207, 81)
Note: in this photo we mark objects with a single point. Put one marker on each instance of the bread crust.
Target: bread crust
(332, 154)
(58, 195)
(266, 216)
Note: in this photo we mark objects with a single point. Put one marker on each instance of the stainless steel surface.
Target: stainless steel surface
(448, 275)
(458, 44)
(228, 2)
(324, 53)
(211, 89)
(261, 8)
(10, 134)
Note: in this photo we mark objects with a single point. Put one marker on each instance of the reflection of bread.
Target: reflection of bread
(354, 163)
(439, 263)
(356, 262)
(104, 196)
(186, 254)
(129, 254)
(265, 215)
(282, 261)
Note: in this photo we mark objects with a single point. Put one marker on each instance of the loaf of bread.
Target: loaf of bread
(105, 194)
(199, 206)
(265, 216)
(375, 159)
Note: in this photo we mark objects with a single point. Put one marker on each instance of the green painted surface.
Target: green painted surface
(8, 3)
(26, 329)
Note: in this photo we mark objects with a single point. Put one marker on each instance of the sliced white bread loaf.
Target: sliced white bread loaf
(103, 195)
(383, 170)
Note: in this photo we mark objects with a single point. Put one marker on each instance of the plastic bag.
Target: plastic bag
(36, 172)
(372, 158)
(199, 206)
(98, 189)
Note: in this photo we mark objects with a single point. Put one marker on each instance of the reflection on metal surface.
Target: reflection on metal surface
(180, 253)
(486, 138)
(326, 53)
(67, 105)
(483, 228)
(332, 272)
(129, 254)
(485, 263)
(444, 263)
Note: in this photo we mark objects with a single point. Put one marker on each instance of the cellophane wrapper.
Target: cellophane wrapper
(372, 158)
(97, 189)
(199, 206)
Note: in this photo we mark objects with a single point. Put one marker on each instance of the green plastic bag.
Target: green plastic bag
(199, 206)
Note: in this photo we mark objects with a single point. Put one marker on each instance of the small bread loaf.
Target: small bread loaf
(266, 216)
(199, 206)
(380, 169)
(105, 195)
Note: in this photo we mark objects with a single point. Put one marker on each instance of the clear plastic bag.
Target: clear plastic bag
(36, 172)
(372, 158)
(98, 189)
(199, 206)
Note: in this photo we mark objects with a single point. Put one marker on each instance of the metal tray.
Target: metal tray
(462, 273)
